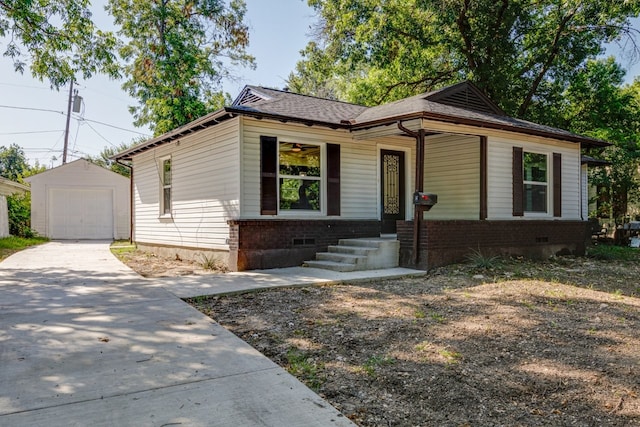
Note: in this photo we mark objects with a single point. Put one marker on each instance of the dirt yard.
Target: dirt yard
(515, 343)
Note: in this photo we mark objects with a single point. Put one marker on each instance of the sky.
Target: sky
(278, 32)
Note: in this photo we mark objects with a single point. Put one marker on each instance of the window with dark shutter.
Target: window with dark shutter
(333, 179)
(268, 175)
(557, 184)
(518, 182)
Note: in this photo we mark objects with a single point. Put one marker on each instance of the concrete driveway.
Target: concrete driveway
(85, 341)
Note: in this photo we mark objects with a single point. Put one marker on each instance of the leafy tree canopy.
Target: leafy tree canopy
(57, 38)
(14, 165)
(177, 52)
(521, 53)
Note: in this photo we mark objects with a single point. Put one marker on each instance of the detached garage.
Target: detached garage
(80, 200)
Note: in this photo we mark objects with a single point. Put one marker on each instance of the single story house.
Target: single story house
(80, 200)
(8, 188)
(277, 177)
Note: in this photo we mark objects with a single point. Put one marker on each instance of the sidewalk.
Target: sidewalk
(225, 283)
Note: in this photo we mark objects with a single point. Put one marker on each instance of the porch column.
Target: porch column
(419, 186)
(418, 209)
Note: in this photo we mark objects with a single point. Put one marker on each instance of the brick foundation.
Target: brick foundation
(446, 242)
(259, 244)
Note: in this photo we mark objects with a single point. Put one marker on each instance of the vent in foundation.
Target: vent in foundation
(542, 239)
(304, 242)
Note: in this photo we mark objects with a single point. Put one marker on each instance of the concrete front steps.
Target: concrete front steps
(359, 254)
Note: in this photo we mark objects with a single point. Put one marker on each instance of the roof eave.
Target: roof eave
(198, 124)
(585, 142)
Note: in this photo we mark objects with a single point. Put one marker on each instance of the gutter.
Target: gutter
(585, 141)
(130, 167)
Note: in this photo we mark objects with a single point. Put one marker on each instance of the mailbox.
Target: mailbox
(426, 200)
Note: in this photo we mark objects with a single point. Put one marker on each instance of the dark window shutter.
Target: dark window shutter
(483, 178)
(557, 184)
(268, 175)
(518, 184)
(333, 179)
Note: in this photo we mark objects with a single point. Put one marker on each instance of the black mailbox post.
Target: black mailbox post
(425, 200)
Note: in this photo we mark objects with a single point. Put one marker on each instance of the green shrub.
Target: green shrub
(19, 208)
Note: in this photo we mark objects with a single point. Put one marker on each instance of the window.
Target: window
(299, 176)
(535, 181)
(165, 208)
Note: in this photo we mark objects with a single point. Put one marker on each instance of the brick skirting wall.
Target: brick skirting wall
(447, 242)
(259, 244)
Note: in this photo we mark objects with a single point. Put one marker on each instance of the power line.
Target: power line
(32, 109)
(77, 118)
(30, 132)
(115, 127)
(98, 133)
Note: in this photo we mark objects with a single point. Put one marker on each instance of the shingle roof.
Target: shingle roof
(261, 100)
(462, 103)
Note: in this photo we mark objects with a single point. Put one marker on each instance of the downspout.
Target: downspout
(419, 185)
(130, 198)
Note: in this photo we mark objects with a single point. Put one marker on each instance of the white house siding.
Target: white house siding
(79, 176)
(205, 189)
(359, 175)
(452, 171)
(499, 180)
(4, 217)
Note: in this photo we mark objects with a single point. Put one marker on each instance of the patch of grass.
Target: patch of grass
(303, 366)
(480, 260)
(451, 357)
(375, 361)
(437, 317)
(209, 262)
(12, 244)
(121, 248)
(419, 314)
(614, 253)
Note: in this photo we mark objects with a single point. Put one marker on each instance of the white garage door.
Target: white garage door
(80, 213)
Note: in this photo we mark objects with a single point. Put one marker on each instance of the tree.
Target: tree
(104, 158)
(14, 166)
(176, 55)
(13, 163)
(597, 104)
(519, 52)
(58, 38)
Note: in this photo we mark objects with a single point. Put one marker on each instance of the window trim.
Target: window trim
(161, 205)
(548, 184)
(322, 179)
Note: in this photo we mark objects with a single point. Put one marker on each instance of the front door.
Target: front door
(393, 191)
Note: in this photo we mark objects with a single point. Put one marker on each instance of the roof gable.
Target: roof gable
(249, 95)
(77, 166)
(465, 95)
(285, 106)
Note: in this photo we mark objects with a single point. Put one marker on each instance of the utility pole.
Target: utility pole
(66, 132)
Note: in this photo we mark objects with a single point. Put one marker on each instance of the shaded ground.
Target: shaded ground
(522, 344)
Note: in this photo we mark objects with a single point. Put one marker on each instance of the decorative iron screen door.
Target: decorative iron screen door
(393, 191)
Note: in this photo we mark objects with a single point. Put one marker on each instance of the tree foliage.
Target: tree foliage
(14, 166)
(176, 54)
(57, 38)
(104, 159)
(13, 163)
(521, 53)
(598, 104)
(19, 211)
